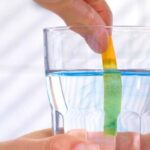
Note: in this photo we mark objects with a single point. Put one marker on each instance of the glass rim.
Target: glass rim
(113, 27)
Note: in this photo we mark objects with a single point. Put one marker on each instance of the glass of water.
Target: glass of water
(75, 84)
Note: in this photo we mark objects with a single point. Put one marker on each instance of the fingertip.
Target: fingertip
(98, 40)
(86, 146)
(103, 38)
(63, 141)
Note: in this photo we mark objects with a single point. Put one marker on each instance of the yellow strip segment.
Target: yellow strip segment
(108, 57)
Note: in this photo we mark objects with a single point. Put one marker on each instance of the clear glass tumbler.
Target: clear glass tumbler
(75, 83)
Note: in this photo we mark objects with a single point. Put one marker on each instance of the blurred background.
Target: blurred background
(24, 105)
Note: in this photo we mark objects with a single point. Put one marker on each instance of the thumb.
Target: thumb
(80, 13)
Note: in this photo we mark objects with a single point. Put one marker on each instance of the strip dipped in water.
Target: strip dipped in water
(112, 90)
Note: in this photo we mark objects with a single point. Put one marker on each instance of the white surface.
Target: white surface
(24, 104)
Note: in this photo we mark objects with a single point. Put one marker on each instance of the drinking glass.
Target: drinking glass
(75, 83)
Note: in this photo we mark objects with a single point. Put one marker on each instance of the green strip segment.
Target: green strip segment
(112, 101)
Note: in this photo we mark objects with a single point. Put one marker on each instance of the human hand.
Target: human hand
(84, 12)
(43, 140)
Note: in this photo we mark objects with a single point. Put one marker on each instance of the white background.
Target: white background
(24, 105)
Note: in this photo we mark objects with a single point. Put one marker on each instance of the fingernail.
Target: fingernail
(83, 146)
